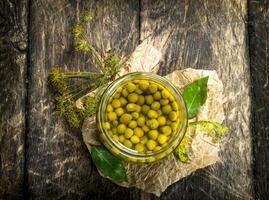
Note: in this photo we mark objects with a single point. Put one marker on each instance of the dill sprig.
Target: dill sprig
(70, 86)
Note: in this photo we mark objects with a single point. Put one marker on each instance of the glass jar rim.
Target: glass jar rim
(112, 88)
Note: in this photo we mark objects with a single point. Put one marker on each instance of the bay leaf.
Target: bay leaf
(195, 95)
(108, 164)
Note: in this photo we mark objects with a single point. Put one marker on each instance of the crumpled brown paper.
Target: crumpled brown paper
(155, 178)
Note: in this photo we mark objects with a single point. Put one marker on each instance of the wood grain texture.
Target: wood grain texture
(58, 163)
(259, 62)
(209, 35)
(13, 44)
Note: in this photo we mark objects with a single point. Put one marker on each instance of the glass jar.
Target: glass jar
(122, 151)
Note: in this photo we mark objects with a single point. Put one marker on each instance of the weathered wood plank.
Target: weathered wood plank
(58, 162)
(259, 67)
(13, 44)
(209, 35)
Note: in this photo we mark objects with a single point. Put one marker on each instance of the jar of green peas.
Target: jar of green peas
(141, 117)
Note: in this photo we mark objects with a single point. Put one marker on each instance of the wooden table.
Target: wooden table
(42, 158)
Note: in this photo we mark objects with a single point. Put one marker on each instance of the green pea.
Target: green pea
(111, 116)
(128, 133)
(121, 128)
(135, 139)
(135, 115)
(174, 126)
(165, 94)
(171, 98)
(174, 106)
(138, 108)
(128, 144)
(141, 100)
(152, 124)
(115, 137)
(138, 91)
(157, 148)
(115, 123)
(153, 134)
(125, 118)
(141, 121)
(173, 116)
(130, 87)
(144, 139)
(166, 109)
(152, 114)
(121, 138)
(140, 147)
(164, 102)
(117, 95)
(110, 133)
(131, 107)
(133, 97)
(162, 139)
(107, 125)
(157, 95)
(114, 131)
(151, 144)
(168, 122)
(153, 88)
(123, 101)
(119, 111)
(155, 105)
(132, 124)
(124, 93)
(116, 103)
(148, 99)
(143, 84)
(161, 120)
(138, 132)
(145, 128)
(166, 130)
(109, 108)
(145, 109)
(159, 112)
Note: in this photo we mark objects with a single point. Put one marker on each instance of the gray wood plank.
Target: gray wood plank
(209, 35)
(259, 67)
(13, 44)
(58, 162)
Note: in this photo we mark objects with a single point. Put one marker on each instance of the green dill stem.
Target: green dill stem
(80, 74)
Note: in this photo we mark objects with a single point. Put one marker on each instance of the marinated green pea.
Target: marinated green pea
(135, 139)
(124, 93)
(153, 88)
(153, 134)
(149, 99)
(151, 144)
(109, 108)
(116, 103)
(133, 97)
(165, 94)
(123, 101)
(155, 105)
(128, 144)
(130, 87)
(174, 126)
(121, 138)
(159, 112)
(132, 124)
(166, 130)
(164, 102)
(143, 85)
(140, 147)
(141, 100)
(173, 116)
(107, 125)
(138, 132)
(115, 137)
(125, 118)
(128, 133)
(110, 133)
(144, 139)
(115, 123)
(174, 106)
(157, 148)
(117, 95)
(152, 124)
(168, 122)
(145, 128)
(141, 121)
(121, 128)
(135, 115)
(162, 139)
(131, 107)
(119, 111)
(161, 120)
(145, 109)
(157, 95)
(111, 116)
(114, 131)
(166, 109)
(138, 108)
(138, 91)
(171, 98)
(152, 114)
